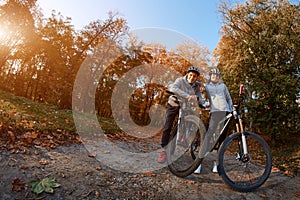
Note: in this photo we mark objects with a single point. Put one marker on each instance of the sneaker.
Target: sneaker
(182, 142)
(198, 170)
(162, 158)
(215, 169)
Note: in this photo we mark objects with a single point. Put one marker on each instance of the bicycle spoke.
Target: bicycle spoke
(180, 158)
(245, 172)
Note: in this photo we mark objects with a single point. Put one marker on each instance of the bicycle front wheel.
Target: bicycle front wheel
(241, 172)
(181, 148)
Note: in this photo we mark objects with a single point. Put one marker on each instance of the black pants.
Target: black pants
(212, 136)
(170, 115)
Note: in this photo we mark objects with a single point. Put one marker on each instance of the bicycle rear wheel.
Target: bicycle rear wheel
(180, 150)
(241, 172)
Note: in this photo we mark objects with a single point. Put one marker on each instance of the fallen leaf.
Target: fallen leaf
(297, 194)
(97, 194)
(289, 173)
(134, 176)
(43, 161)
(263, 196)
(92, 155)
(149, 174)
(45, 185)
(12, 136)
(275, 169)
(24, 167)
(17, 185)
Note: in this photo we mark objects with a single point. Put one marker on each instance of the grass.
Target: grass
(24, 123)
(25, 115)
(286, 155)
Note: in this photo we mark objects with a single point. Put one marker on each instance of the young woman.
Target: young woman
(220, 104)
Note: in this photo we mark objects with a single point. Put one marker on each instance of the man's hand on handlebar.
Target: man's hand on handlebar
(192, 98)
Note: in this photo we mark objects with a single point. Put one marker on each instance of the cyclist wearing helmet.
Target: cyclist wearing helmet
(218, 94)
(186, 87)
(220, 104)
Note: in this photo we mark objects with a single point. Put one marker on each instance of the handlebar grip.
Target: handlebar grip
(170, 92)
(241, 89)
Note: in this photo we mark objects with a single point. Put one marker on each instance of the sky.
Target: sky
(196, 19)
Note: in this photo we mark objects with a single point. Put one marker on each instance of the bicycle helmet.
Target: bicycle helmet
(193, 69)
(214, 71)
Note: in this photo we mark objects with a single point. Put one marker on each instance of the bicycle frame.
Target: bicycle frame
(244, 167)
(184, 110)
(235, 114)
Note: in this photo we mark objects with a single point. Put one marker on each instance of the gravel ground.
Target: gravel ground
(82, 176)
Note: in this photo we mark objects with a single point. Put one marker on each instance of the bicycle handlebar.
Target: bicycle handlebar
(236, 108)
(183, 100)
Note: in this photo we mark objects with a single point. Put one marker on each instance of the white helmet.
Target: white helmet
(214, 71)
(193, 69)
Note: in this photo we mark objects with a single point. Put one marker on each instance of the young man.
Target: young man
(186, 87)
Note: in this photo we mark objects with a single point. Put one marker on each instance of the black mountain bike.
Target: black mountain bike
(244, 158)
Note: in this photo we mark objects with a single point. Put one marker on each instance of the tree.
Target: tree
(17, 19)
(57, 50)
(260, 47)
(195, 53)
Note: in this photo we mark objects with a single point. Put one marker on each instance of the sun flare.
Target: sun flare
(3, 33)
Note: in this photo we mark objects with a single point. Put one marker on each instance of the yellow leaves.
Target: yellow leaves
(31, 124)
(191, 182)
(289, 173)
(43, 161)
(30, 136)
(275, 169)
(12, 136)
(67, 121)
(149, 174)
(11, 113)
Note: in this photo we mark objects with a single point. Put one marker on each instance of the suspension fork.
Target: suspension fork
(244, 142)
(243, 145)
(178, 124)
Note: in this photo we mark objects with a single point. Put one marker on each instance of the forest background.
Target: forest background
(259, 47)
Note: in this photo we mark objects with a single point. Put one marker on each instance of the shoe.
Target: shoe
(182, 139)
(198, 170)
(215, 169)
(162, 158)
(182, 142)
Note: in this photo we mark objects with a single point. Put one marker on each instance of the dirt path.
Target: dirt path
(83, 177)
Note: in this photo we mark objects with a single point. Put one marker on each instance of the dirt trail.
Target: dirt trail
(83, 177)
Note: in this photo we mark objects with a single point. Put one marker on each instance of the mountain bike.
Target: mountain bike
(185, 131)
(244, 158)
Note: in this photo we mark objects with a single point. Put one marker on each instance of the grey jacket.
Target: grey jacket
(219, 97)
(182, 88)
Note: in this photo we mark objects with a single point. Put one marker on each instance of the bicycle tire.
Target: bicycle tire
(179, 157)
(197, 143)
(241, 174)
